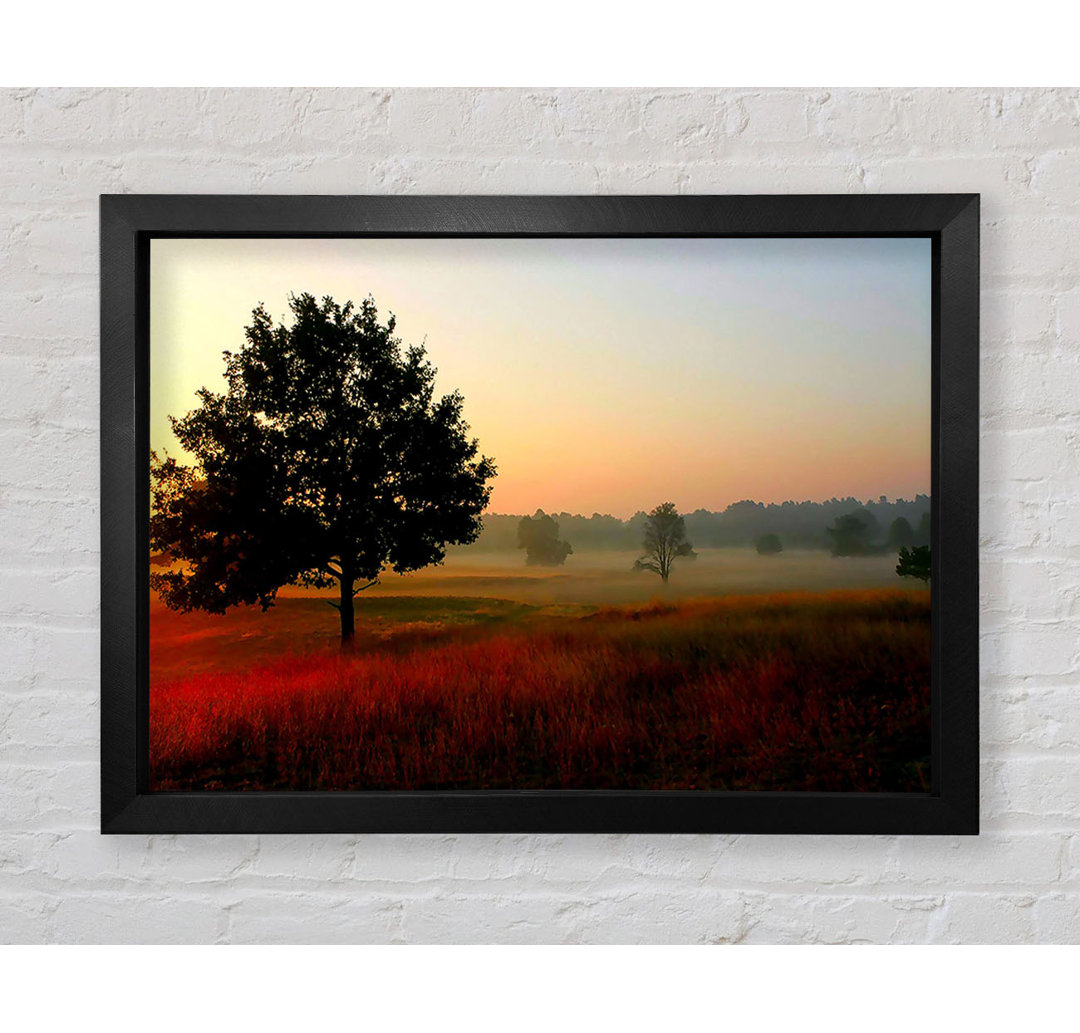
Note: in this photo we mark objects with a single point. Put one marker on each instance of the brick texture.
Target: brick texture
(61, 881)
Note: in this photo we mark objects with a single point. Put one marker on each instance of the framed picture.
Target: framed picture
(540, 514)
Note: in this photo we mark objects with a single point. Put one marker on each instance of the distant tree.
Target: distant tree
(665, 541)
(769, 545)
(849, 535)
(900, 532)
(327, 459)
(914, 562)
(922, 533)
(798, 525)
(538, 535)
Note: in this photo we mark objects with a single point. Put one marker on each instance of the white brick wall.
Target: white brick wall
(61, 881)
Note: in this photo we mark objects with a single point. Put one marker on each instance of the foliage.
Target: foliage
(665, 541)
(922, 533)
(327, 459)
(769, 545)
(799, 525)
(850, 535)
(538, 535)
(901, 533)
(914, 562)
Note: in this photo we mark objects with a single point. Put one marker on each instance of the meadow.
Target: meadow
(795, 672)
(476, 587)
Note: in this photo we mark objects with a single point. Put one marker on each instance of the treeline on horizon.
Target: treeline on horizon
(799, 525)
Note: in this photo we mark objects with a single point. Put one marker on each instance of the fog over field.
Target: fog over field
(606, 577)
(490, 589)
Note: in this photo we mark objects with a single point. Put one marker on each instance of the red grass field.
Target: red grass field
(796, 691)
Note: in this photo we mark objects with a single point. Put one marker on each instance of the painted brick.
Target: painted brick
(1045, 719)
(312, 918)
(1056, 917)
(829, 918)
(989, 860)
(986, 918)
(147, 917)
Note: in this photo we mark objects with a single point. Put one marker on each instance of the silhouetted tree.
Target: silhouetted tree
(849, 534)
(797, 524)
(665, 541)
(900, 532)
(922, 533)
(914, 562)
(538, 535)
(327, 459)
(769, 545)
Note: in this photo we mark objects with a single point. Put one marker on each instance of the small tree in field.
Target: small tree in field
(850, 533)
(922, 532)
(327, 459)
(901, 533)
(539, 536)
(769, 545)
(914, 562)
(665, 541)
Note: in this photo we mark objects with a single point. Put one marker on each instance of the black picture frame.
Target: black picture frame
(129, 222)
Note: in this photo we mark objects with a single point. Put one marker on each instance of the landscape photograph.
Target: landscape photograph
(540, 514)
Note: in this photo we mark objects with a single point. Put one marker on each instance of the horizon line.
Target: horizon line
(895, 500)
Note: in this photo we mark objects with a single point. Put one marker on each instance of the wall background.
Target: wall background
(61, 881)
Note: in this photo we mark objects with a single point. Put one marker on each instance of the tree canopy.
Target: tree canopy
(769, 545)
(900, 532)
(665, 541)
(799, 525)
(914, 562)
(922, 534)
(851, 533)
(327, 459)
(538, 535)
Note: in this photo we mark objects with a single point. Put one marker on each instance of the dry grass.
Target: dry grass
(795, 691)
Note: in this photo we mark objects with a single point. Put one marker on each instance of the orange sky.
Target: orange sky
(610, 375)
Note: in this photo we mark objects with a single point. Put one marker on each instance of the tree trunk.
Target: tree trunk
(348, 622)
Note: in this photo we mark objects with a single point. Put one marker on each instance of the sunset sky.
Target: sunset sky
(611, 375)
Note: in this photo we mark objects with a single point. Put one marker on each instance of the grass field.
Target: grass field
(544, 685)
(478, 588)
